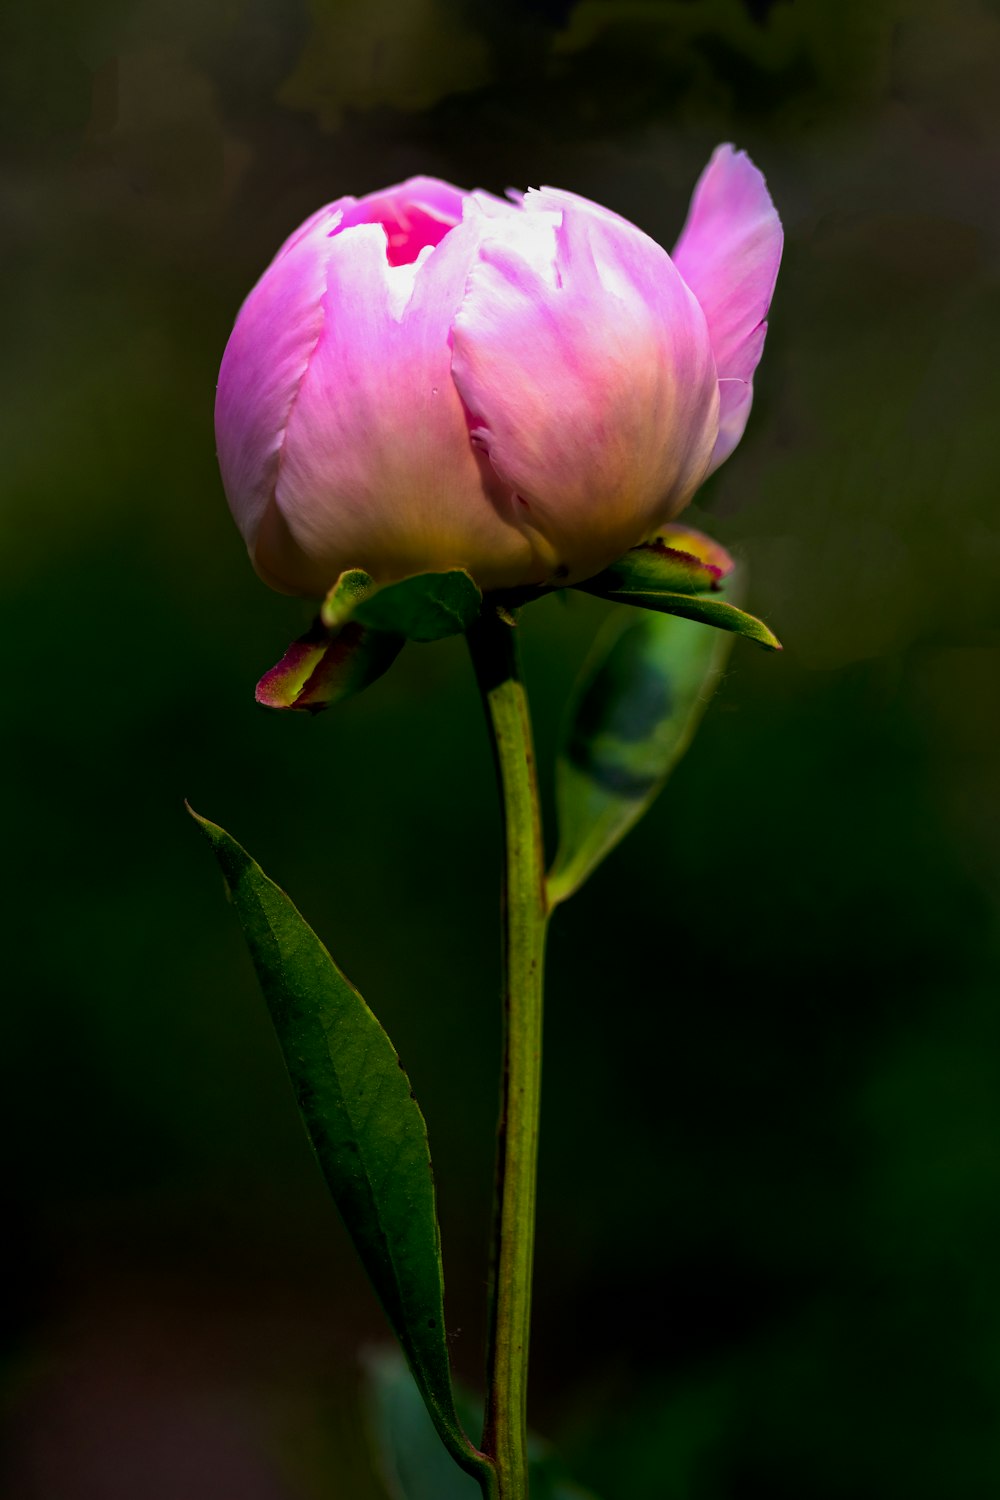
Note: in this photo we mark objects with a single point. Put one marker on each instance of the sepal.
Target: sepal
(323, 666)
(350, 591)
(705, 548)
(672, 573)
(427, 607)
(361, 629)
(677, 560)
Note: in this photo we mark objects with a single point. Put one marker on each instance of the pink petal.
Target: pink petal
(377, 470)
(265, 360)
(728, 253)
(585, 364)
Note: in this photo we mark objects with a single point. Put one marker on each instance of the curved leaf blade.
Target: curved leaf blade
(637, 704)
(688, 606)
(365, 1126)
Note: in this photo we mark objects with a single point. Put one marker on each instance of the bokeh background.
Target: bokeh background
(769, 1243)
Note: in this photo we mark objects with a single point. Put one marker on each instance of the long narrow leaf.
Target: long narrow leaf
(364, 1123)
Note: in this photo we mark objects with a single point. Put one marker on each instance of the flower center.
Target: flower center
(410, 226)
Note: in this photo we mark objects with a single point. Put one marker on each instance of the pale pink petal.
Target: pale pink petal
(728, 253)
(323, 221)
(588, 375)
(493, 207)
(377, 470)
(266, 357)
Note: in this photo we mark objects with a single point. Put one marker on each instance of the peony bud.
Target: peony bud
(426, 379)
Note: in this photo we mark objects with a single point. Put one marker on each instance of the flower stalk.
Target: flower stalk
(493, 646)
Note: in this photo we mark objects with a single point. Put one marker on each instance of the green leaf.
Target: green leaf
(427, 607)
(363, 1122)
(409, 1457)
(690, 607)
(321, 667)
(638, 702)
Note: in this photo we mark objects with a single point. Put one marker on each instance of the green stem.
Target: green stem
(492, 642)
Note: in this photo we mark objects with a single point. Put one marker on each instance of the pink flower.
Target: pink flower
(426, 379)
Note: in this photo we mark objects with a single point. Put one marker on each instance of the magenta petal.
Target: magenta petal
(585, 365)
(728, 253)
(414, 214)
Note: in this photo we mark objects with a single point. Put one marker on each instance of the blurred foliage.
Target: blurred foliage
(770, 1225)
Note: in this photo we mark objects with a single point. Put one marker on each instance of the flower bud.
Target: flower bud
(426, 379)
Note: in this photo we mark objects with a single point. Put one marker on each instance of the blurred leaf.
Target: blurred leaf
(689, 606)
(411, 1461)
(321, 667)
(427, 607)
(364, 1123)
(636, 707)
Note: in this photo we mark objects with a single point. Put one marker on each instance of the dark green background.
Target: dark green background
(769, 1243)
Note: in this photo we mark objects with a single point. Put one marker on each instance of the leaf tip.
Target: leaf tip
(203, 823)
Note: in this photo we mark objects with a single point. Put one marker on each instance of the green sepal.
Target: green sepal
(671, 573)
(427, 607)
(352, 588)
(324, 666)
(408, 1456)
(635, 709)
(678, 560)
(696, 544)
(364, 1123)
